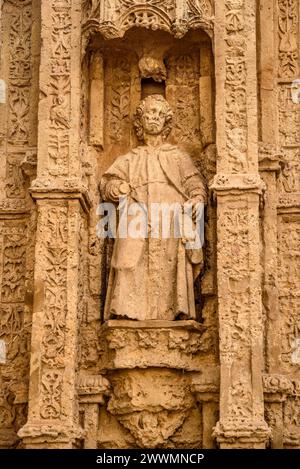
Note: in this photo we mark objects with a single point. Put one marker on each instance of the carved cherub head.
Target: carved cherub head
(153, 117)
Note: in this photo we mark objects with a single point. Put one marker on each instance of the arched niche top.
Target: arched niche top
(113, 18)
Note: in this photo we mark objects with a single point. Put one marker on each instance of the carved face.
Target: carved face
(154, 117)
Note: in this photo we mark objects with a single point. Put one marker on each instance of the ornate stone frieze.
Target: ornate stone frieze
(58, 188)
(13, 207)
(280, 384)
(58, 436)
(288, 202)
(226, 184)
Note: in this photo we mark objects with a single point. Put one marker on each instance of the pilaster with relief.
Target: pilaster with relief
(19, 76)
(238, 188)
(288, 207)
(280, 99)
(61, 244)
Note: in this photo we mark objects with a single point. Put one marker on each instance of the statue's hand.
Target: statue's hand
(197, 207)
(119, 189)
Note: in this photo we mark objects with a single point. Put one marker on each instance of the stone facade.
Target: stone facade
(72, 75)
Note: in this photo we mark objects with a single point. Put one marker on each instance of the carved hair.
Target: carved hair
(138, 123)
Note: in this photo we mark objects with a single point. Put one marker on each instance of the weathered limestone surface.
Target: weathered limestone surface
(75, 372)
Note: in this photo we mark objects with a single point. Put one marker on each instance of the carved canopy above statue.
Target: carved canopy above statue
(113, 18)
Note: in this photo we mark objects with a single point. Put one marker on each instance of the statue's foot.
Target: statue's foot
(182, 317)
(121, 317)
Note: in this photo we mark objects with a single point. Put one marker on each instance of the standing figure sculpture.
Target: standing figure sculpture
(152, 277)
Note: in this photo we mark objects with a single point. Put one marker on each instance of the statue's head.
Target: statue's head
(153, 117)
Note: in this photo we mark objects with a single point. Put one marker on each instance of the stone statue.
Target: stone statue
(152, 277)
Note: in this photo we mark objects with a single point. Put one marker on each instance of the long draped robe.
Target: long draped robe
(153, 278)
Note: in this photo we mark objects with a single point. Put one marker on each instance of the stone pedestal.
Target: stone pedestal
(150, 365)
(152, 344)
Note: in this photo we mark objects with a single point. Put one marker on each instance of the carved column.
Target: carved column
(62, 203)
(205, 387)
(269, 169)
(237, 188)
(92, 391)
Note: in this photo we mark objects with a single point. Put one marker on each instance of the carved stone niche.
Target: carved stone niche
(117, 74)
(150, 365)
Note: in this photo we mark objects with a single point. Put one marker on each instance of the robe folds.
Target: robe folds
(152, 277)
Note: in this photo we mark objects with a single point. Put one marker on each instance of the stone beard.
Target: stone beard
(153, 278)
